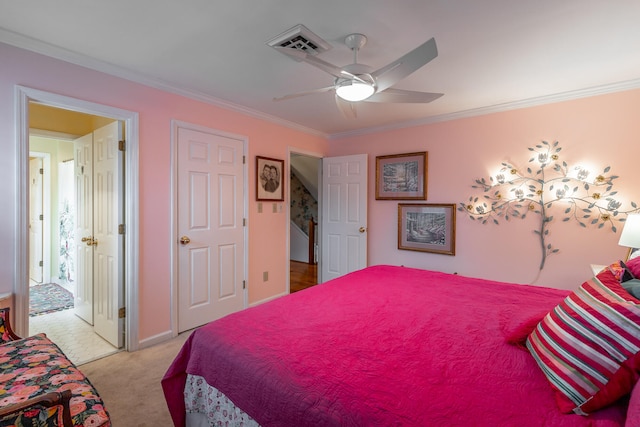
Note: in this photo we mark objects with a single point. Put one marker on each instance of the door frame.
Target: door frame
(46, 208)
(294, 150)
(173, 246)
(23, 95)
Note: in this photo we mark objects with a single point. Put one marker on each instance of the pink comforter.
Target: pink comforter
(382, 346)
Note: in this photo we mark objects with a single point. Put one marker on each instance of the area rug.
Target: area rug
(48, 298)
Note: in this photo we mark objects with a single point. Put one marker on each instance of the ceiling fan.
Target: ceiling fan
(358, 82)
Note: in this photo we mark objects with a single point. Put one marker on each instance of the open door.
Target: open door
(100, 231)
(108, 234)
(344, 215)
(35, 220)
(83, 175)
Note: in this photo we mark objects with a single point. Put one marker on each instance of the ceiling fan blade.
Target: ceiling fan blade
(392, 73)
(306, 92)
(403, 96)
(313, 60)
(348, 109)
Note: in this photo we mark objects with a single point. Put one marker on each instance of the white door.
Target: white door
(35, 219)
(344, 215)
(210, 197)
(99, 244)
(108, 241)
(83, 175)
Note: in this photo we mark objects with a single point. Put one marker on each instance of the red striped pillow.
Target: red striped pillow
(588, 346)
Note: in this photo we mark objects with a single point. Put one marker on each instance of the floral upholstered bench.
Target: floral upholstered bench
(40, 386)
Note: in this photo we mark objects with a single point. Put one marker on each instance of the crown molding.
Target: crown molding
(47, 49)
(498, 108)
(43, 48)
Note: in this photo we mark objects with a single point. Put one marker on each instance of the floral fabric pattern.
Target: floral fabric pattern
(200, 397)
(35, 365)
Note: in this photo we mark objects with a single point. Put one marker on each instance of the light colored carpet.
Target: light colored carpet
(129, 384)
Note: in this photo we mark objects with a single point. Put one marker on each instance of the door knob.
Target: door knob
(185, 240)
(90, 241)
(362, 229)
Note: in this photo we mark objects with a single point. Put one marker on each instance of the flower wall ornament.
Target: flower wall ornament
(513, 194)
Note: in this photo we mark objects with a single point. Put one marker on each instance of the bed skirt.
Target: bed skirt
(207, 406)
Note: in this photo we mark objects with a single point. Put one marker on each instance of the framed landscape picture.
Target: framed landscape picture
(427, 228)
(270, 183)
(401, 177)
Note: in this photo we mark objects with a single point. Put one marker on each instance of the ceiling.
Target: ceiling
(493, 54)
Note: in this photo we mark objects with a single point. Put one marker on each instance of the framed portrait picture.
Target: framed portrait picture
(270, 182)
(427, 228)
(401, 177)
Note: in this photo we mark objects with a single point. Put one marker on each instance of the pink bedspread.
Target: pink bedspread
(382, 346)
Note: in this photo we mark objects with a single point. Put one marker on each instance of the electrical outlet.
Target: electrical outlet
(265, 276)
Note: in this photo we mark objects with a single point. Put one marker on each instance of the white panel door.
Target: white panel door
(344, 215)
(210, 197)
(108, 243)
(83, 175)
(35, 219)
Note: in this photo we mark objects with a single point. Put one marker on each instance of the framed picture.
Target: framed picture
(401, 177)
(427, 228)
(270, 183)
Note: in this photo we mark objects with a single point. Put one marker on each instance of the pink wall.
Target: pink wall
(601, 130)
(156, 110)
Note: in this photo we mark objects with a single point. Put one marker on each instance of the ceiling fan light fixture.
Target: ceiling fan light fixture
(353, 91)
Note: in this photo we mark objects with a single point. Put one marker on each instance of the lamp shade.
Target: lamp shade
(630, 236)
(353, 91)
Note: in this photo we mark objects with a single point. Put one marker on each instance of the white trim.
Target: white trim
(22, 97)
(46, 210)
(173, 235)
(23, 42)
(56, 52)
(156, 339)
(271, 298)
(43, 133)
(498, 108)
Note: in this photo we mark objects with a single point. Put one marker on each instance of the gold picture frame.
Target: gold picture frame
(427, 227)
(402, 176)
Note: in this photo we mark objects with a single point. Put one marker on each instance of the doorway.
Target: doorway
(31, 104)
(62, 301)
(304, 253)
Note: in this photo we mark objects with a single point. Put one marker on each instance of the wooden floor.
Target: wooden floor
(302, 275)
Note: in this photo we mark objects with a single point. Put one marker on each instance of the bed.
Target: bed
(383, 346)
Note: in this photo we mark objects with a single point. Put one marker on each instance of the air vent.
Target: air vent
(301, 38)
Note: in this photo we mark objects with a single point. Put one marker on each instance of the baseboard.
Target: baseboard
(156, 339)
(253, 304)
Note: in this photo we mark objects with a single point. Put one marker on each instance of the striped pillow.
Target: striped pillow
(588, 345)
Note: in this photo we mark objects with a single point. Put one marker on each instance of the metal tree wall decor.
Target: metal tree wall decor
(516, 194)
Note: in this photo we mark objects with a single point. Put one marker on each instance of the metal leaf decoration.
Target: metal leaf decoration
(512, 194)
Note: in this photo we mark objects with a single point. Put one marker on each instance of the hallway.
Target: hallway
(73, 335)
(302, 275)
